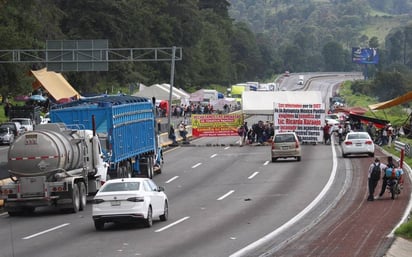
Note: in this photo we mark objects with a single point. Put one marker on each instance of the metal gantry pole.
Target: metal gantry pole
(172, 75)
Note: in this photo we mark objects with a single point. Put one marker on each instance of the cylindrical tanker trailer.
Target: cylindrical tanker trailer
(53, 165)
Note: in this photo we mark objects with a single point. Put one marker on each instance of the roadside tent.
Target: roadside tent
(55, 84)
(262, 102)
(379, 123)
(349, 110)
(157, 91)
(184, 96)
(204, 95)
(220, 103)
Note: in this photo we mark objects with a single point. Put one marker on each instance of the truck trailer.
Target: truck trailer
(126, 127)
(53, 165)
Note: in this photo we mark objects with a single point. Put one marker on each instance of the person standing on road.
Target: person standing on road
(374, 179)
(385, 178)
(246, 129)
(172, 135)
(326, 135)
(241, 131)
(183, 131)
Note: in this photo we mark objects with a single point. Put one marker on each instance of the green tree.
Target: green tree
(334, 57)
(24, 24)
(374, 42)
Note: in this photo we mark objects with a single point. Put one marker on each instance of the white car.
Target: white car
(129, 200)
(358, 143)
(26, 123)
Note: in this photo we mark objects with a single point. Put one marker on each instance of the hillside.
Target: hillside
(283, 19)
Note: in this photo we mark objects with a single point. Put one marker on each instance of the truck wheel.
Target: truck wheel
(15, 213)
(75, 199)
(150, 167)
(128, 170)
(83, 196)
(99, 225)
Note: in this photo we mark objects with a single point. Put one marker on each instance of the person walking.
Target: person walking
(374, 175)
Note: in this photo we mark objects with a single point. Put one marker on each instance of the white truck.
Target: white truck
(53, 165)
(301, 79)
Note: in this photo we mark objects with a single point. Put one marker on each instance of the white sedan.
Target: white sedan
(129, 200)
(358, 143)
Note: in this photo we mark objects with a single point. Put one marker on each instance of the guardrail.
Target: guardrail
(404, 149)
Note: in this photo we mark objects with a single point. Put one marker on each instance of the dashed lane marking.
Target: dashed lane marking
(46, 231)
(225, 195)
(172, 224)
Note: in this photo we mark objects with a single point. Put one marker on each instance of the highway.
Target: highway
(225, 200)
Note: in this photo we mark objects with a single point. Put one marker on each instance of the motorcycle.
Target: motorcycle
(393, 187)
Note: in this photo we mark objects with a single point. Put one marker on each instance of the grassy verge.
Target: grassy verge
(397, 116)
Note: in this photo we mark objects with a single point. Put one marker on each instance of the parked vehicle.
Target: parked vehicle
(286, 145)
(53, 165)
(126, 128)
(15, 127)
(356, 143)
(26, 123)
(129, 200)
(6, 136)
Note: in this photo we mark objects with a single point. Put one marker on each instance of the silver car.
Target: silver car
(286, 145)
(6, 135)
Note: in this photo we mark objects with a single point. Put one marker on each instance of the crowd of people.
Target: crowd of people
(185, 110)
(384, 135)
(260, 133)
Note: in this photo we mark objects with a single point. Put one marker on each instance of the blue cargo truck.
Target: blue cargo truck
(126, 127)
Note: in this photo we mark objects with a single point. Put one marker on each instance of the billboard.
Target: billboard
(365, 55)
(304, 119)
(216, 125)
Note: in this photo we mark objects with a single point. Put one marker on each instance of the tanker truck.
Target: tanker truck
(126, 127)
(54, 165)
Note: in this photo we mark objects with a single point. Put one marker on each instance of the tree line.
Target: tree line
(224, 42)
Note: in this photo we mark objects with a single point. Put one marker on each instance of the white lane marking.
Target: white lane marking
(170, 180)
(266, 163)
(225, 195)
(269, 237)
(46, 231)
(213, 156)
(172, 224)
(3, 214)
(196, 165)
(227, 147)
(253, 175)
